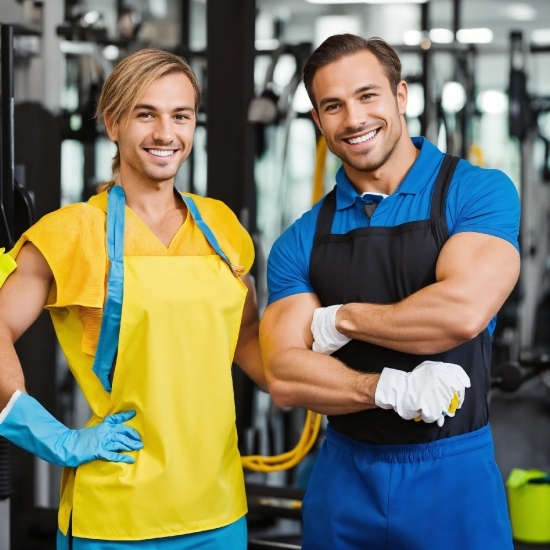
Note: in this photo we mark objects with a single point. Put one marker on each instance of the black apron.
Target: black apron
(384, 265)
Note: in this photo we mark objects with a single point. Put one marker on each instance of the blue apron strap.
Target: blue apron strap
(207, 232)
(110, 323)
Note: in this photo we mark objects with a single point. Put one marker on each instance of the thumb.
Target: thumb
(460, 373)
(119, 418)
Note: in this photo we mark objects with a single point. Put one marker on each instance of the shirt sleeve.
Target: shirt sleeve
(72, 241)
(288, 262)
(486, 202)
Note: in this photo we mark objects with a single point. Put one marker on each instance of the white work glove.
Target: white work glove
(426, 392)
(326, 339)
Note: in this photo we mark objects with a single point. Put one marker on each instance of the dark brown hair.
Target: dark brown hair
(126, 85)
(339, 45)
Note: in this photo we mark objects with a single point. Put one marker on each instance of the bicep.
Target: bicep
(25, 292)
(481, 269)
(286, 324)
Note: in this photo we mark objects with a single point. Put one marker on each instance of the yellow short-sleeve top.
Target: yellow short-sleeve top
(72, 240)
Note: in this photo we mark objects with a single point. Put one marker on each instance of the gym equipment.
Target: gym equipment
(523, 320)
(529, 504)
(290, 459)
(16, 206)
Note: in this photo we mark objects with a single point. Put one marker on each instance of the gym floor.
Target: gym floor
(521, 424)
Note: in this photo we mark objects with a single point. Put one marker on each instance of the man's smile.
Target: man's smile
(161, 152)
(363, 137)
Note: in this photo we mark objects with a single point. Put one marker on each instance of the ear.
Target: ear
(111, 127)
(315, 116)
(402, 96)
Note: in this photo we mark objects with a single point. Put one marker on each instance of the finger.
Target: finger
(441, 420)
(127, 431)
(460, 373)
(461, 396)
(117, 457)
(116, 446)
(123, 443)
(118, 418)
(432, 411)
(430, 415)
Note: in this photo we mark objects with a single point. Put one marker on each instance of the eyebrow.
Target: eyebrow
(366, 88)
(153, 108)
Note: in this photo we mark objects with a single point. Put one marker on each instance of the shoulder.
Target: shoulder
(298, 238)
(232, 237)
(72, 241)
(214, 210)
(288, 262)
(67, 222)
(483, 200)
(467, 174)
(487, 188)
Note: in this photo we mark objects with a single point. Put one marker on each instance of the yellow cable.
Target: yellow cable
(312, 423)
(319, 173)
(289, 459)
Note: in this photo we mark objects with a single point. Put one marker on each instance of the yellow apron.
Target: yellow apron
(179, 324)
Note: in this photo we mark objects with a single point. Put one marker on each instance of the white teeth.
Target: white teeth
(161, 153)
(362, 138)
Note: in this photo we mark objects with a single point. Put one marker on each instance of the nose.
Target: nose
(163, 131)
(355, 115)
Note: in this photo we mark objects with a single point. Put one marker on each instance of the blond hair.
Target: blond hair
(126, 85)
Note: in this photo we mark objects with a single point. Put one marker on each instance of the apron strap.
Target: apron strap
(207, 232)
(326, 214)
(110, 323)
(441, 188)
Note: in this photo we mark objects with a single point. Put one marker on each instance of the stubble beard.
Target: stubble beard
(370, 161)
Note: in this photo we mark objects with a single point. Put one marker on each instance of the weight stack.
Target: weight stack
(5, 469)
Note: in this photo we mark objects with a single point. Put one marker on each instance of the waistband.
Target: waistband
(413, 452)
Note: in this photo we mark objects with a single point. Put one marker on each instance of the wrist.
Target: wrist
(368, 390)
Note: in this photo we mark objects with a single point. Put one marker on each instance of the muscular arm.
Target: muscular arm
(22, 299)
(247, 352)
(297, 376)
(475, 273)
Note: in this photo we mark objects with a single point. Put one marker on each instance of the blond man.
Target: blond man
(151, 300)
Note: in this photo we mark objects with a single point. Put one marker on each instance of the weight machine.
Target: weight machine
(522, 339)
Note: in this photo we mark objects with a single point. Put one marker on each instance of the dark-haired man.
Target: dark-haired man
(378, 296)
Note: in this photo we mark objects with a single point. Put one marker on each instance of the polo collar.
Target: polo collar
(427, 162)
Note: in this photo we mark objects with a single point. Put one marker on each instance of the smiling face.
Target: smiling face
(156, 137)
(360, 116)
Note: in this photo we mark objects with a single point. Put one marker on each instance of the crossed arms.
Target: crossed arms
(475, 273)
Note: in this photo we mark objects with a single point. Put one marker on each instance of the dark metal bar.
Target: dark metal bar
(8, 155)
(230, 62)
(457, 11)
(185, 22)
(425, 116)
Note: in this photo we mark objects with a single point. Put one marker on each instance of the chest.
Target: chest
(166, 227)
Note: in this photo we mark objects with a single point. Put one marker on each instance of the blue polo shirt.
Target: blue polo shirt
(479, 200)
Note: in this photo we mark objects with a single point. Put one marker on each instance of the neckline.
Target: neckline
(174, 238)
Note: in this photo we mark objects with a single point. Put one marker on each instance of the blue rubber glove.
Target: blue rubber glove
(26, 423)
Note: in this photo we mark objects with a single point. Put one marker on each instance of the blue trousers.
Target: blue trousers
(445, 495)
(231, 537)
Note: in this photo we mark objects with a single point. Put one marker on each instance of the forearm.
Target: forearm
(475, 273)
(248, 357)
(303, 378)
(11, 374)
(432, 320)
